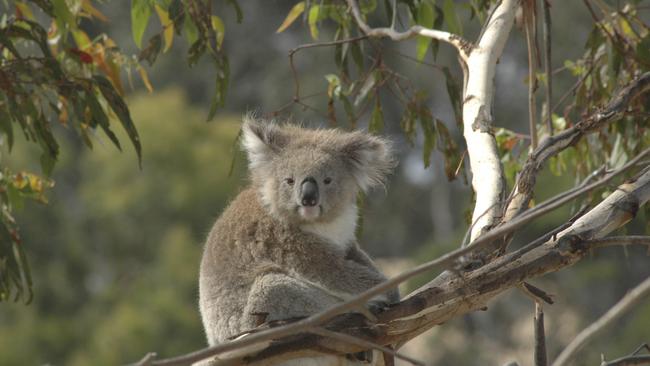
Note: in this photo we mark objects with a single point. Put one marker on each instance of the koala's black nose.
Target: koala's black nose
(309, 192)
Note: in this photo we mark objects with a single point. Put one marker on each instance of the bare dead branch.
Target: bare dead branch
(536, 293)
(632, 359)
(632, 298)
(462, 46)
(540, 337)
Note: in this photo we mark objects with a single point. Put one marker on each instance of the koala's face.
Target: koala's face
(309, 184)
(312, 175)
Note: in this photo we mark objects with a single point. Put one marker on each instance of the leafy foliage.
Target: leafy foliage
(54, 74)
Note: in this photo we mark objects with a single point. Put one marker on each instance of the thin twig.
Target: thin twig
(528, 9)
(546, 35)
(293, 51)
(632, 359)
(628, 301)
(463, 46)
(573, 88)
(619, 240)
(552, 145)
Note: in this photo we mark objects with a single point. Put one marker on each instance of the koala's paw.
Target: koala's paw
(378, 305)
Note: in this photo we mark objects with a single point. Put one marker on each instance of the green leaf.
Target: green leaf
(64, 18)
(429, 133)
(140, 13)
(121, 110)
(426, 17)
(333, 85)
(220, 28)
(177, 15)
(221, 86)
(191, 32)
(99, 117)
(151, 52)
(312, 20)
(357, 55)
(47, 163)
(377, 118)
(408, 123)
(448, 148)
(240, 14)
(451, 17)
(367, 86)
(454, 91)
(294, 13)
(7, 127)
(643, 50)
(197, 49)
(349, 111)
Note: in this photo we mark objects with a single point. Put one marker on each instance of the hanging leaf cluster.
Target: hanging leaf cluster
(53, 73)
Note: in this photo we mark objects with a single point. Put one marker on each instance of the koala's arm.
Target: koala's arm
(350, 272)
(355, 254)
(277, 295)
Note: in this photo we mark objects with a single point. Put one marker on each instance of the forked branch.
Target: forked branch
(463, 46)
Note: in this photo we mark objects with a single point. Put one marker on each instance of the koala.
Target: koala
(285, 246)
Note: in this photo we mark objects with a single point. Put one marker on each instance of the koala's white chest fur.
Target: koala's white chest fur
(339, 231)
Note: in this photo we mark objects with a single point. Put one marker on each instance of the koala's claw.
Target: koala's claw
(363, 357)
(377, 306)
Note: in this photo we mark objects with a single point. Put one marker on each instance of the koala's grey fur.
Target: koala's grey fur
(269, 256)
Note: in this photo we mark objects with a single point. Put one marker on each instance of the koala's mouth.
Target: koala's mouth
(310, 213)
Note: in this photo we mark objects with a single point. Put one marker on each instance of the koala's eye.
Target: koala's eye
(327, 180)
(289, 181)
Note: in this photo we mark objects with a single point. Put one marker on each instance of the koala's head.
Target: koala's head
(312, 175)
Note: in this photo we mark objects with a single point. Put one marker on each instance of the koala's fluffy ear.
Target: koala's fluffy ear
(370, 158)
(261, 140)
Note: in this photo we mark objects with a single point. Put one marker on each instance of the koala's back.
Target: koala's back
(244, 245)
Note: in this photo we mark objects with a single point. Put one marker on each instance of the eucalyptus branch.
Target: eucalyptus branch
(428, 307)
(553, 145)
(632, 298)
(463, 46)
(540, 336)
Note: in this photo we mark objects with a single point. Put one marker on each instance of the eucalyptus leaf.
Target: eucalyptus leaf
(140, 13)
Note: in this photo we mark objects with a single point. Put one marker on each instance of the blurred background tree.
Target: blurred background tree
(114, 254)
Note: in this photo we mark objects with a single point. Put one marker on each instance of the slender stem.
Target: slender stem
(628, 301)
(530, 25)
(540, 337)
(463, 46)
(546, 17)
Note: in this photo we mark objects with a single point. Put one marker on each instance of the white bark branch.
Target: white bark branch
(462, 45)
(487, 173)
